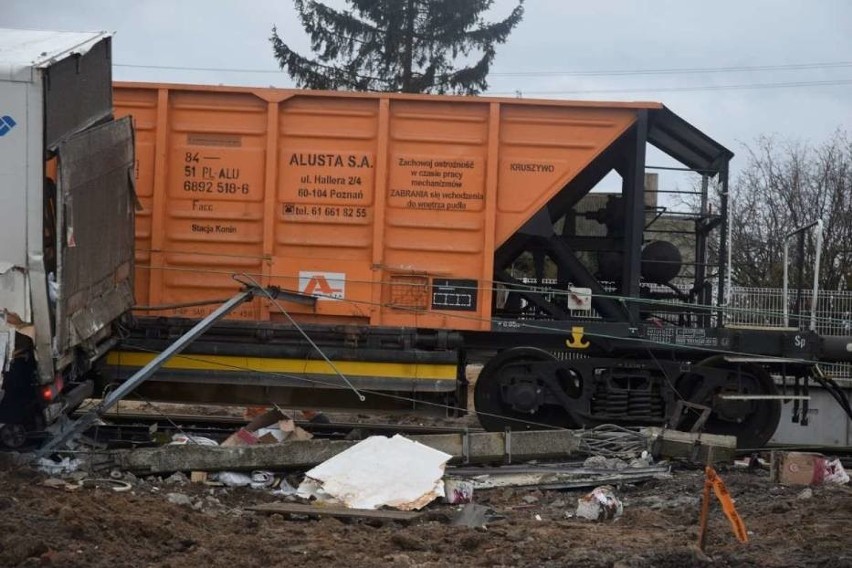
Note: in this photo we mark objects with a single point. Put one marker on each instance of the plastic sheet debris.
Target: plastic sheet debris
(835, 473)
(394, 472)
(751, 463)
(256, 480)
(51, 467)
(600, 504)
(183, 439)
(458, 491)
(232, 478)
(270, 435)
(284, 489)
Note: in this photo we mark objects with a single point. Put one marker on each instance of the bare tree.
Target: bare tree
(786, 185)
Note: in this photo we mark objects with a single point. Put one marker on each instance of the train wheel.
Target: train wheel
(509, 395)
(753, 422)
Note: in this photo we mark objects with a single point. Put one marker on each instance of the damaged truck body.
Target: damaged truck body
(66, 215)
(407, 220)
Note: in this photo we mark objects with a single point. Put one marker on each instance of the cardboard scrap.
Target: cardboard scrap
(393, 472)
(198, 476)
(806, 468)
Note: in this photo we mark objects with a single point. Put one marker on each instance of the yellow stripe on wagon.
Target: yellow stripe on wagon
(432, 371)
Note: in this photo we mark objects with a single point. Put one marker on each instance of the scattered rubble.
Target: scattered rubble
(271, 427)
(176, 478)
(474, 516)
(218, 525)
(244, 453)
(457, 491)
(601, 504)
(179, 499)
(52, 467)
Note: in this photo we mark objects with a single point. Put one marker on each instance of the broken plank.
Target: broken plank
(299, 509)
(477, 447)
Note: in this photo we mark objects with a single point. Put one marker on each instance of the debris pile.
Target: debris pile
(390, 479)
(271, 427)
(495, 486)
(601, 504)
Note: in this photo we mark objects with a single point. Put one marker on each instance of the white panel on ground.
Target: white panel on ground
(394, 472)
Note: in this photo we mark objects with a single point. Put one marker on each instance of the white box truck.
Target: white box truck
(66, 222)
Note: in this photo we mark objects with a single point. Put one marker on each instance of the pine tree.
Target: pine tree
(409, 46)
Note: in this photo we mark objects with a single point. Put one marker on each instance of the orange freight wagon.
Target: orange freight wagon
(394, 203)
(394, 223)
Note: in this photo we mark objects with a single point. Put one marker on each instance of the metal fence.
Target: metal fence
(765, 307)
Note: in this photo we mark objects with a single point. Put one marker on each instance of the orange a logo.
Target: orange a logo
(322, 284)
(319, 286)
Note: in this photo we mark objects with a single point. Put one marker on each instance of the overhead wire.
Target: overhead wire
(302, 332)
(551, 73)
(678, 70)
(518, 287)
(740, 86)
(611, 73)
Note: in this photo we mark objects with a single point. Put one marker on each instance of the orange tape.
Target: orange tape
(724, 497)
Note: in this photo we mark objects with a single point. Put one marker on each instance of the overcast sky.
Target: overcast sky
(557, 37)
